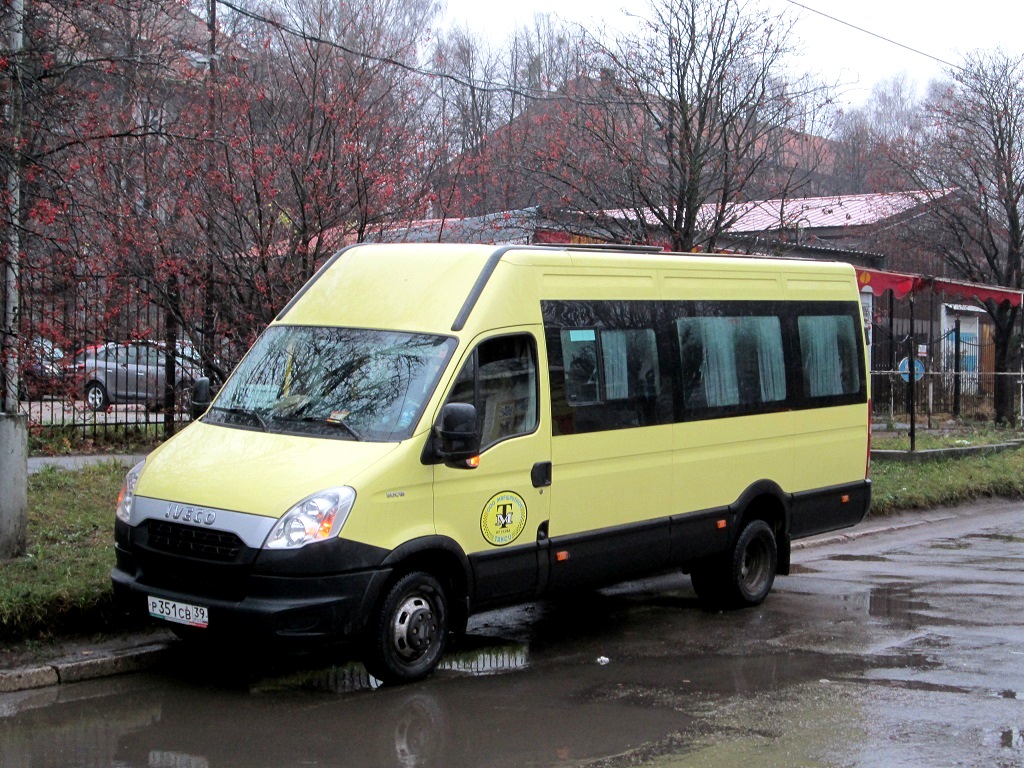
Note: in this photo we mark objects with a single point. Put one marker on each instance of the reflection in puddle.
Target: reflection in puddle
(164, 759)
(897, 603)
(488, 661)
(353, 677)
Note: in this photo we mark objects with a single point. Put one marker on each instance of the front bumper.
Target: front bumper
(325, 590)
(333, 607)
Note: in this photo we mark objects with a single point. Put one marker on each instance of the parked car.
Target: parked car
(42, 371)
(132, 372)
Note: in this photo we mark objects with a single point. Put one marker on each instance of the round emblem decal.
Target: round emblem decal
(503, 518)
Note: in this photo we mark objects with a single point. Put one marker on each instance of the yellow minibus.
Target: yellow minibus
(428, 431)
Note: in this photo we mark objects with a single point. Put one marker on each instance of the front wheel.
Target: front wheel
(96, 396)
(407, 637)
(744, 576)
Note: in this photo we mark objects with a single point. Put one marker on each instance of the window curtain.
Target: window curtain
(719, 365)
(819, 344)
(771, 365)
(614, 350)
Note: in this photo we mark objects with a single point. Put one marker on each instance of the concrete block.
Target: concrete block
(30, 677)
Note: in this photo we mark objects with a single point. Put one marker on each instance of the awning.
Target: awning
(954, 289)
(901, 284)
(879, 282)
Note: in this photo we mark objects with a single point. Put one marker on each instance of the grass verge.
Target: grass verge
(62, 584)
(960, 437)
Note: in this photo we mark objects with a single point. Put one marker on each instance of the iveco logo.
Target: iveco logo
(194, 515)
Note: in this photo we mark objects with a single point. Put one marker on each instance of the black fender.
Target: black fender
(746, 508)
(424, 553)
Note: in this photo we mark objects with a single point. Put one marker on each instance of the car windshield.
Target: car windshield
(342, 383)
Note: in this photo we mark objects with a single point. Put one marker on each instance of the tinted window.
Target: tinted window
(829, 355)
(621, 364)
(731, 361)
(500, 379)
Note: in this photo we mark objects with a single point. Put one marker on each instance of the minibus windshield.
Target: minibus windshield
(342, 383)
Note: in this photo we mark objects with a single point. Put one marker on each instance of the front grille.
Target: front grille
(187, 540)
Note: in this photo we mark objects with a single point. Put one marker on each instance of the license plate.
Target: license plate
(179, 613)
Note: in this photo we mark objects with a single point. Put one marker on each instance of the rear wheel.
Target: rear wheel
(96, 396)
(407, 637)
(743, 576)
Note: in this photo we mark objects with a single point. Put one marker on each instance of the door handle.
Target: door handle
(540, 475)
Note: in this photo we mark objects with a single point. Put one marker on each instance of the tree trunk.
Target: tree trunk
(1004, 319)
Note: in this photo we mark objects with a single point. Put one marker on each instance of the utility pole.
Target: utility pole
(9, 339)
(13, 425)
(208, 341)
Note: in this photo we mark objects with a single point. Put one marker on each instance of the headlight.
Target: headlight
(127, 494)
(315, 518)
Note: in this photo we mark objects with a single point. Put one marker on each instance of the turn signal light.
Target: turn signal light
(473, 463)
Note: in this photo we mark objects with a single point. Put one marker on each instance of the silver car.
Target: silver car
(133, 372)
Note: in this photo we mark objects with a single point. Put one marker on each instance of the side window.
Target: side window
(607, 365)
(500, 379)
(828, 351)
(731, 362)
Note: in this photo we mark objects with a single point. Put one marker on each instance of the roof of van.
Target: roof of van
(434, 287)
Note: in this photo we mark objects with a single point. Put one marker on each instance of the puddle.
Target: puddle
(897, 603)
(860, 558)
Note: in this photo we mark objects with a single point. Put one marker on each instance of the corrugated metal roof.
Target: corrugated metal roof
(505, 227)
(805, 212)
(825, 212)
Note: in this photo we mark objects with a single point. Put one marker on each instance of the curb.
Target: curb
(87, 665)
(79, 461)
(937, 454)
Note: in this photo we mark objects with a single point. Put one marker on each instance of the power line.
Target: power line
(875, 34)
(483, 86)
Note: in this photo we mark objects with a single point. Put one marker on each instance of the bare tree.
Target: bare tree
(869, 138)
(700, 109)
(974, 143)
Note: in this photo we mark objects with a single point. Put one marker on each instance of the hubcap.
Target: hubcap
(95, 397)
(414, 628)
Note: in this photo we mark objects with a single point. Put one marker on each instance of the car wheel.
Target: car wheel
(408, 635)
(96, 396)
(744, 576)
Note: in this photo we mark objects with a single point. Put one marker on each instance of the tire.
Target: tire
(407, 637)
(744, 576)
(96, 396)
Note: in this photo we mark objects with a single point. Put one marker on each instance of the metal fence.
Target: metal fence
(936, 398)
(95, 356)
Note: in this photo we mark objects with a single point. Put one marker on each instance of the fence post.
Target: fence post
(911, 377)
(956, 369)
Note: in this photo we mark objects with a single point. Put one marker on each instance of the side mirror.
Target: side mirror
(457, 431)
(200, 397)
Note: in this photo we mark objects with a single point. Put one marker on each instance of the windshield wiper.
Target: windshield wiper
(238, 411)
(326, 422)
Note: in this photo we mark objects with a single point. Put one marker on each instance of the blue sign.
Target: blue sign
(904, 369)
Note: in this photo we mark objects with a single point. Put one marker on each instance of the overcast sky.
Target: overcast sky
(939, 28)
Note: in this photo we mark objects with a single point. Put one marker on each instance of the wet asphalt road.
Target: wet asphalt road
(897, 649)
